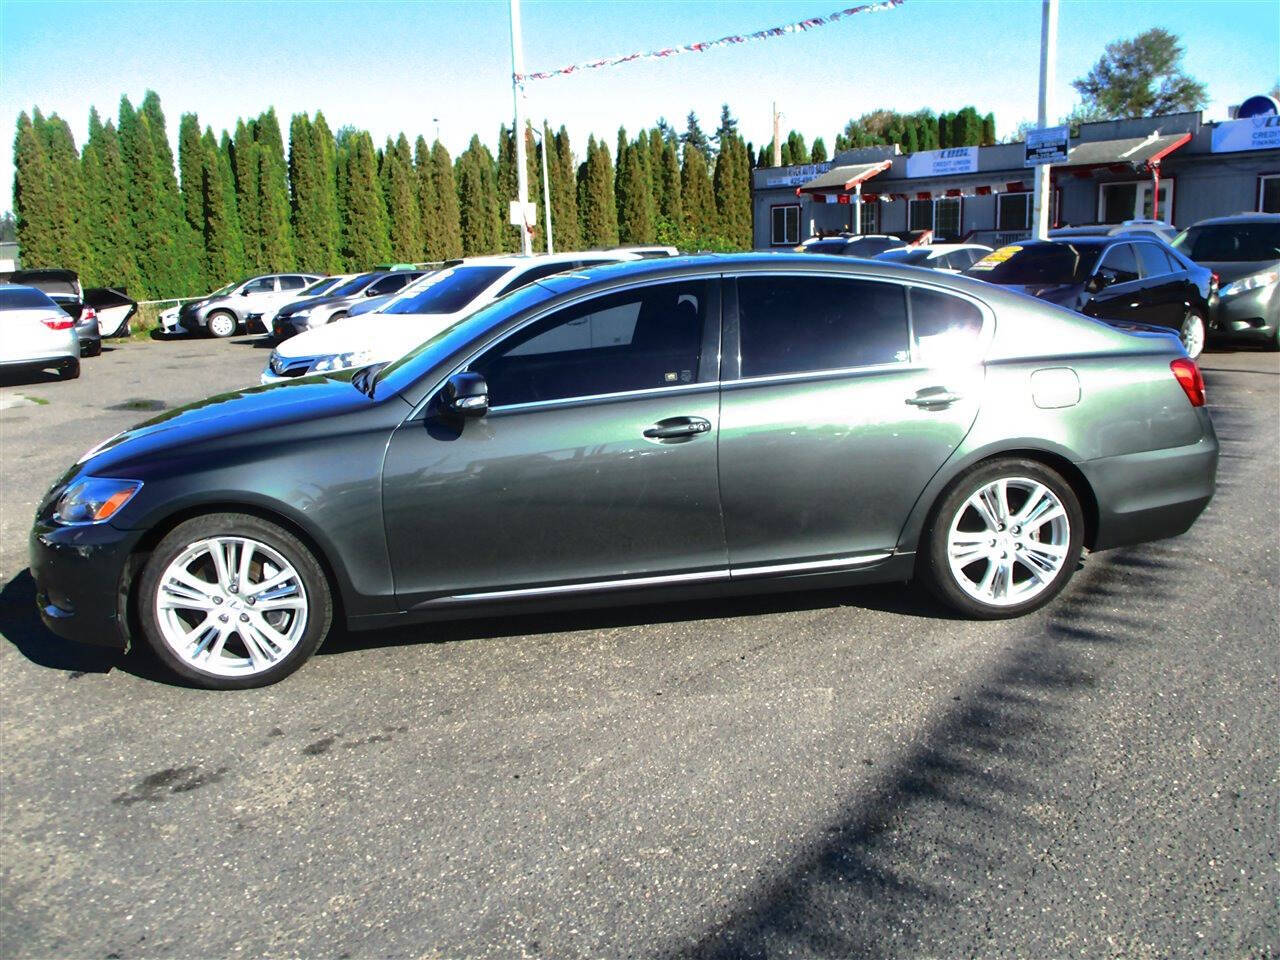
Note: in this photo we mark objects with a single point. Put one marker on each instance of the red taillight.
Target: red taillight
(1214, 281)
(1189, 378)
(88, 313)
(65, 323)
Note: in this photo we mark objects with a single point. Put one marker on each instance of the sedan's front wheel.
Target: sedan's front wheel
(1004, 540)
(223, 324)
(229, 601)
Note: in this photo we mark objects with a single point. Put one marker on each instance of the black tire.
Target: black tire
(70, 370)
(319, 597)
(225, 315)
(93, 349)
(933, 564)
(340, 315)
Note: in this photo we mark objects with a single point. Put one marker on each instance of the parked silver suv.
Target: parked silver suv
(224, 312)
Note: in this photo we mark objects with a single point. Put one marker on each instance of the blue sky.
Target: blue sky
(391, 66)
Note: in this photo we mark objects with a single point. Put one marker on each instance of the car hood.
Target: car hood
(238, 412)
(384, 335)
(1228, 270)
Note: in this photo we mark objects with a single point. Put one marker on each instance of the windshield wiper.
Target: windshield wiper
(363, 378)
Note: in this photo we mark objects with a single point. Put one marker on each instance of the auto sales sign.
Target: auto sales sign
(940, 163)
(1248, 133)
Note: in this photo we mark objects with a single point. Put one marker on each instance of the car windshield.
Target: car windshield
(400, 374)
(354, 285)
(1231, 242)
(826, 246)
(448, 291)
(25, 298)
(1038, 263)
(320, 286)
(914, 257)
(871, 246)
(223, 291)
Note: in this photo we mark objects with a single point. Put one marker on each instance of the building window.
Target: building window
(920, 215)
(786, 225)
(871, 216)
(1268, 194)
(946, 217)
(1013, 211)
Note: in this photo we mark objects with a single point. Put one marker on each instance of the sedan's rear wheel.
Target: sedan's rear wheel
(231, 601)
(1193, 334)
(1004, 540)
(222, 324)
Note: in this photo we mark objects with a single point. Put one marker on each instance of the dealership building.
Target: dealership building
(1176, 168)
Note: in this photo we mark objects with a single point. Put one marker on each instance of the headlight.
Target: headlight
(94, 500)
(1245, 284)
(341, 361)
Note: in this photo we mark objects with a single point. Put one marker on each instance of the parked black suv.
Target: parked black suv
(1129, 279)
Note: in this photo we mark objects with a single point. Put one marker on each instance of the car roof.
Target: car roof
(520, 260)
(1239, 218)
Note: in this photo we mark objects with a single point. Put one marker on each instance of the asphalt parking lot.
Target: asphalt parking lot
(847, 773)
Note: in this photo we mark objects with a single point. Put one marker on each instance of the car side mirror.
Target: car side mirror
(1100, 280)
(465, 395)
(245, 292)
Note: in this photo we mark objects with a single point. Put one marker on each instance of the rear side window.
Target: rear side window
(946, 329)
(1155, 262)
(802, 324)
(1119, 261)
(292, 283)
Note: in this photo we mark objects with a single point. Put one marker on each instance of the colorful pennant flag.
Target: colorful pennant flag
(799, 26)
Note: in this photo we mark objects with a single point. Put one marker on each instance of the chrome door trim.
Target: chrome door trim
(621, 395)
(815, 565)
(571, 588)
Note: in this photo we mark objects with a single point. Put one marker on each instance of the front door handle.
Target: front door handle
(677, 428)
(933, 397)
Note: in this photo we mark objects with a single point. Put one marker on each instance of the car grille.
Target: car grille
(283, 367)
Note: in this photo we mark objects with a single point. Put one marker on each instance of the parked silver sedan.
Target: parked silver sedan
(36, 334)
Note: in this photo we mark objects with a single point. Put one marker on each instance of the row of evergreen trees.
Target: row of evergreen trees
(120, 212)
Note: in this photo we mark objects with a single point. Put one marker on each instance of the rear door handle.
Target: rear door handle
(933, 397)
(677, 428)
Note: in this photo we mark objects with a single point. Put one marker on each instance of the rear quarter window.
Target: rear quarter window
(945, 329)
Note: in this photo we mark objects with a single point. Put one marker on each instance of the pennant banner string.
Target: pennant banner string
(800, 26)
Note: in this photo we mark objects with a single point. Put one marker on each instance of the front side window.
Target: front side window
(261, 285)
(388, 284)
(1119, 263)
(786, 225)
(1155, 262)
(803, 324)
(639, 339)
(946, 329)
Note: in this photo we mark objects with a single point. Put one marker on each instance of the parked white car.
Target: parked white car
(423, 309)
(36, 333)
(947, 257)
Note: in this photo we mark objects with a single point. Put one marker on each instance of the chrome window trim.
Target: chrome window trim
(825, 374)
(493, 341)
(621, 394)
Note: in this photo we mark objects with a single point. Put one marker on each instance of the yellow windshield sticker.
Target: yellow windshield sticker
(994, 258)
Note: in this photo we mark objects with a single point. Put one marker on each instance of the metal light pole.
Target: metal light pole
(517, 127)
(1042, 199)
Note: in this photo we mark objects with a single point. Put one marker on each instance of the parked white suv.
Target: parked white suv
(423, 309)
(225, 311)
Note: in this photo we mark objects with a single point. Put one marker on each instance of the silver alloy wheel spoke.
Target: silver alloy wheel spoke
(1003, 556)
(231, 606)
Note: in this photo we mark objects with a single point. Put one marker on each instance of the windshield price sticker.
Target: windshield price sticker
(995, 258)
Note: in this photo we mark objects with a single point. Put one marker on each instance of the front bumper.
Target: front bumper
(1154, 494)
(1254, 315)
(82, 576)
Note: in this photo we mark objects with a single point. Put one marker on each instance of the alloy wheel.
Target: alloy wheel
(231, 606)
(1009, 541)
(1192, 335)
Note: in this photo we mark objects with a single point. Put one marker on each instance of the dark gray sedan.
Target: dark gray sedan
(632, 433)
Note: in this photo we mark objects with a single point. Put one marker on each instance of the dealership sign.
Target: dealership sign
(1250, 133)
(939, 163)
(795, 176)
(1047, 145)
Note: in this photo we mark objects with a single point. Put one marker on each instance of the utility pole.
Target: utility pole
(777, 145)
(546, 187)
(517, 127)
(1042, 199)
